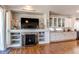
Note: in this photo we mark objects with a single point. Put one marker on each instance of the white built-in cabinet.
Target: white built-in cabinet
(62, 36)
(56, 21)
(61, 23)
(64, 23)
(14, 35)
(13, 39)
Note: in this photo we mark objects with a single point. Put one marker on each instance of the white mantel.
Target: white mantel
(30, 30)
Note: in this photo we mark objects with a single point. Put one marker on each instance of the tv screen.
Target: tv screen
(27, 23)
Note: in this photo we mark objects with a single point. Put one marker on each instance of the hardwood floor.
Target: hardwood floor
(68, 47)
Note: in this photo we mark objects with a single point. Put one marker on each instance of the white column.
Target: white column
(8, 25)
(46, 22)
(46, 18)
(2, 30)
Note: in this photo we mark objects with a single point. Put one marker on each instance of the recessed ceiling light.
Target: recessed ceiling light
(29, 8)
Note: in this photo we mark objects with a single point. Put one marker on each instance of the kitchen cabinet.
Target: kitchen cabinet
(57, 21)
(62, 36)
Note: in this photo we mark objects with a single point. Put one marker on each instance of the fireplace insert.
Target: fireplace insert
(30, 39)
(29, 23)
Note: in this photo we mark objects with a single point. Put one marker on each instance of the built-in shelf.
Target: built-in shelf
(41, 36)
(15, 45)
(15, 39)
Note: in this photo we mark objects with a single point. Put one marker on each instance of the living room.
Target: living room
(34, 27)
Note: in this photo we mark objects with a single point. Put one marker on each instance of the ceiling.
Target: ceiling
(60, 9)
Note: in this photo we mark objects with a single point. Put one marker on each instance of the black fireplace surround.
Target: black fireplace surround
(30, 39)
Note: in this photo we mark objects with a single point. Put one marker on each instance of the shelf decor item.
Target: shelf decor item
(41, 26)
(14, 24)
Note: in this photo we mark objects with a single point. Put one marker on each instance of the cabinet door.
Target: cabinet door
(59, 22)
(52, 36)
(55, 22)
(50, 22)
(63, 22)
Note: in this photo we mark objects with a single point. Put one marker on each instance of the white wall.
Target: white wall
(69, 22)
(76, 25)
(72, 23)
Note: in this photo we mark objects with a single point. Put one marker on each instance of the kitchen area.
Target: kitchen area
(63, 28)
(53, 27)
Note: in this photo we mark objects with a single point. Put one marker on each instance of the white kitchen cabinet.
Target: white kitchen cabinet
(56, 36)
(57, 21)
(62, 36)
(52, 36)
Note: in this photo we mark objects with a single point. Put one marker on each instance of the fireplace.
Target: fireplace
(30, 39)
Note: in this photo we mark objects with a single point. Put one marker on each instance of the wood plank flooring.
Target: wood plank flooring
(68, 47)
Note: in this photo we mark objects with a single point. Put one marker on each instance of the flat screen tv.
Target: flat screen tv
(29, 23)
